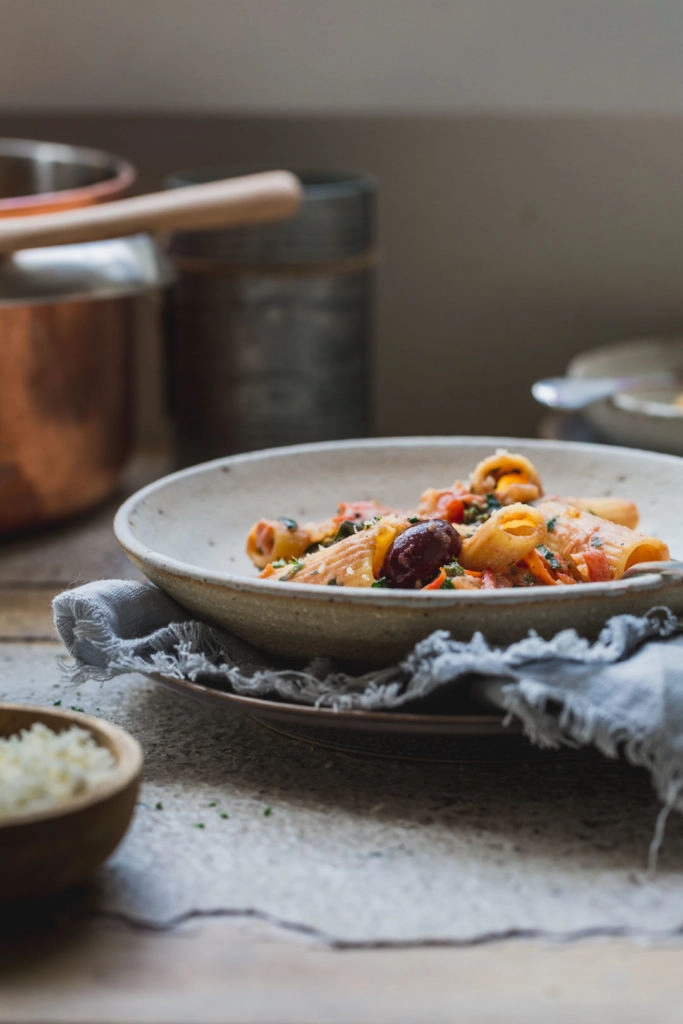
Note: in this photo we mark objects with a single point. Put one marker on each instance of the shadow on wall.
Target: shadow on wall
(508, 243)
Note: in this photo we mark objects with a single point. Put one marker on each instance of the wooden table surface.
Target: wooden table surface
(61, 964)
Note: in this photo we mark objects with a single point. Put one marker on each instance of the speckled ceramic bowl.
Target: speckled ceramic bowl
(187, 533)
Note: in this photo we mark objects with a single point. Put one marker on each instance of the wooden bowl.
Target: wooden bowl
(45, 852)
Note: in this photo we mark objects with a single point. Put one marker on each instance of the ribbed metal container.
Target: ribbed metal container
(270, 327)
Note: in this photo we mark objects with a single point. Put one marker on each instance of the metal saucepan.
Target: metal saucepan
(69, 284)
(40, 177)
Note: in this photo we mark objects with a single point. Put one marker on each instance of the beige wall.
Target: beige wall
(529, 155)
(350, 56)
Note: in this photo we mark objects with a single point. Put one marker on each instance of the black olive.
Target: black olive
(418, 553)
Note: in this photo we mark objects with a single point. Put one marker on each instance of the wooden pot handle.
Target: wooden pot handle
(250, 199)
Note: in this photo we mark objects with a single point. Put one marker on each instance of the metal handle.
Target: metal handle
(253, 198)
(578, 392)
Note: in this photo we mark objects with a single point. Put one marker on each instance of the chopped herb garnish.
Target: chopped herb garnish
(223, 814)
(596, 541)
(480, 510)
(295, 564)
(413, 519)
(199, 824)
(290, 524)
(551, 524)
(267, 811)
(279, 564)
(454, 569)
(159, 806)
(212, 804)
(529, 579)
(447, 585)
(345, 529)
(550, 557)
(56, 703)
(381, 582)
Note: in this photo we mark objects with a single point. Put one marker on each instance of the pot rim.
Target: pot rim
(119, 175)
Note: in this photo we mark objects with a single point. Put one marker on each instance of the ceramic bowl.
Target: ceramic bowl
(46, 852)
(186, 532)
(642, 418)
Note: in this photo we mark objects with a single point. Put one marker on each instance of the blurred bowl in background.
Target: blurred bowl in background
(644, 418)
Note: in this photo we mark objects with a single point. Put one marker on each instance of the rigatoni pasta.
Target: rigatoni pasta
(595, 547)
(502, 540)
(496, 530)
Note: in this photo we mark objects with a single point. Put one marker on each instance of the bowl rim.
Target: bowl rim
(124, 747)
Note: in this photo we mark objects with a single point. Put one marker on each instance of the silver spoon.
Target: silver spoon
(578, 392)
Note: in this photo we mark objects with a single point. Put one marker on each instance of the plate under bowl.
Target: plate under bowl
(187, 532)
(406, 734)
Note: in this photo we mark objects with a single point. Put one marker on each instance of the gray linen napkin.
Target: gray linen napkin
(622, 693)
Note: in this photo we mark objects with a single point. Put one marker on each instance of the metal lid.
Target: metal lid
(113, 268)
(337, 219)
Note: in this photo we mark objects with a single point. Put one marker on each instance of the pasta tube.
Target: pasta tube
(505, 538)
(511, 478)
(352, 562)
(595, 547)
(617, 510)
(270, 540)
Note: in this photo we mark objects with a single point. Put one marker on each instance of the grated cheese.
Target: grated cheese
(40, 769)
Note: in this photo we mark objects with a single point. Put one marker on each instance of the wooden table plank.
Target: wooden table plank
(243, 971)
(26, 614)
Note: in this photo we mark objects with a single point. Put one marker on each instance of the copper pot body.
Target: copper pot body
(65, 407)
(66, 344)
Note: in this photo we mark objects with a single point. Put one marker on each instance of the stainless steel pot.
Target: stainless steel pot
(69, 282)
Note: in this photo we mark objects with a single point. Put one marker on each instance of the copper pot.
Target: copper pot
(69, 285)
(42, 177)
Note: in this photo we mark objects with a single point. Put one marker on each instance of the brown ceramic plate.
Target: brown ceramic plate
(292, 715)
(424, 736)
(187, 533)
